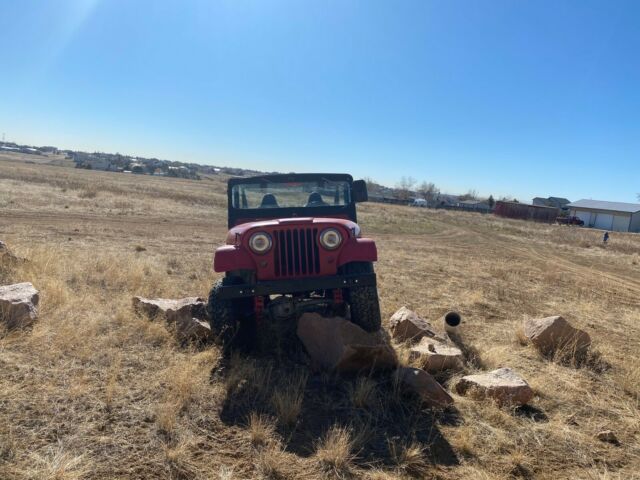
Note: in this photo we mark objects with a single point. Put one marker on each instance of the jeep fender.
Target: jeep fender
(232, 257)
(358, 250)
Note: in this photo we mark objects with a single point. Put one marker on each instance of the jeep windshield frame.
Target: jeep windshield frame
(240, 210)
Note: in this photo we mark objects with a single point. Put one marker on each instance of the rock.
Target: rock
(503, 385)
(406, 325)
(424, 385)
(335, 343)
(607, 436)
(7, 257)
(18, 305)
(553, 334)
(435, 356)
(192, 329)
(172, 310)
(186, 316)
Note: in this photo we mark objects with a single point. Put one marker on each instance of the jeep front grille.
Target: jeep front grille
(296, 252)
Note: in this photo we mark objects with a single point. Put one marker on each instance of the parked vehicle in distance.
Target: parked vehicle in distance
(418, 202)
(293, 246)
(570, 220)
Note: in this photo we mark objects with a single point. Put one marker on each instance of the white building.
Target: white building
(614, 216)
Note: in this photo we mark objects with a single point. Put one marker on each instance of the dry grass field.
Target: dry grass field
(94, 391)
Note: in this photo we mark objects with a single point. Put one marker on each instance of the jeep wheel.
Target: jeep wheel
(232, 321)
(363, 301)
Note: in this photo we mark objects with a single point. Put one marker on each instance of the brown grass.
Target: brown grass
(287, 400)
(363, 392)
(261, 430)
(272, 464)
(334, 451)
(94, 391)
(409, 459)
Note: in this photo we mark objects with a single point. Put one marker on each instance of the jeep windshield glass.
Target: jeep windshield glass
(316, 193)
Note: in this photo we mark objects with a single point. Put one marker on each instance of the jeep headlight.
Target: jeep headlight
(330, 238)
(260, 242)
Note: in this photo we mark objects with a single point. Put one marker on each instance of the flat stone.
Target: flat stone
(192, 329)
(424, 385)
(553, 334)
(171, 309)
(502, 385)
(334, 343)
(18, 305)
(407, 325)
(435, 356)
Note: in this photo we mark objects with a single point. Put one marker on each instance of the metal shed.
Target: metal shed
(614, 216)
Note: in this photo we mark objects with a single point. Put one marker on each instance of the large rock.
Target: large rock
(555, 334)
(406, 325)
(503, 385)
(187, 316)
(171, 309)
(192, 329)
(435, 356)
(18, 305)
(424, 385)
(336, 344)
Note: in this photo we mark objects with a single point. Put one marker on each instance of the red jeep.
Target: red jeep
(293, 246)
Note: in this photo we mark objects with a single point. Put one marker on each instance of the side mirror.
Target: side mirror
(359, 191)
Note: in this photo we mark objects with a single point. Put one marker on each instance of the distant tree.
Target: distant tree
(491, 201)
(372, 186)
(428, 191)
(470, 195)
(404, 187)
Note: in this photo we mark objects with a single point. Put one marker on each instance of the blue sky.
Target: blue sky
(508, 97)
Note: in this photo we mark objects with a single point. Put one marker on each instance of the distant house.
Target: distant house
(93, 161)
(446, 200)
(475, 205)
(615, 216)
(29, 150)
(97, 163)
(48, 149)
(137, 168)
(557, 202)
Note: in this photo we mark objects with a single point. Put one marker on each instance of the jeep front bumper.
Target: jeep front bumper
(297, 285)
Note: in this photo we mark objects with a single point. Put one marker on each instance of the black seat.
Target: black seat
(315, 200)
(269, 201)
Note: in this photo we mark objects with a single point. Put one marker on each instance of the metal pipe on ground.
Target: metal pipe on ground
(451, 321)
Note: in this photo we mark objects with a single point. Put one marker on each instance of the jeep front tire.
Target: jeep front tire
(231, 320)
(363, 301)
